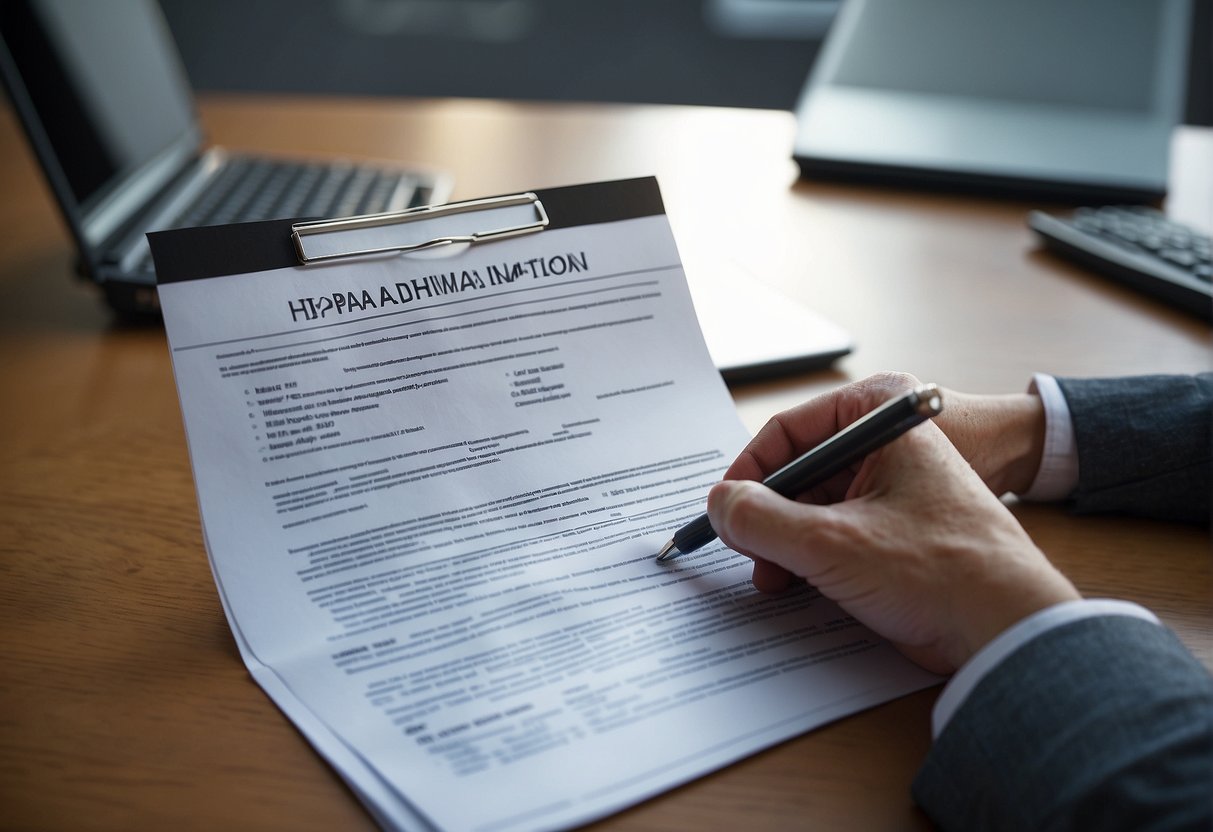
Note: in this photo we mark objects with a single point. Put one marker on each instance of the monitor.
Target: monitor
(1067, 99)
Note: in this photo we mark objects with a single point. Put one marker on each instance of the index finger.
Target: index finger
(792, 432)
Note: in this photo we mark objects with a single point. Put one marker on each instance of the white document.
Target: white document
(432, 509)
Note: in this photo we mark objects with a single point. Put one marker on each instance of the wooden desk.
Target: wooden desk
(123, 702)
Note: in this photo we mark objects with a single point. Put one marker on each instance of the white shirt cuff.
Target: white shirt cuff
(1058, 474)
(989, 657)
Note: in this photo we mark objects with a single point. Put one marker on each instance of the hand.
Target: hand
(910, 542)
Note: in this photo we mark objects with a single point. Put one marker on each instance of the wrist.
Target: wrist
(1002, 437)
(1025, 433)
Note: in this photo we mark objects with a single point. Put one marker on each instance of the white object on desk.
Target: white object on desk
(754, 331)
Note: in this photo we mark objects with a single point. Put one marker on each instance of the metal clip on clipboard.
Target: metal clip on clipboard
(419, 229)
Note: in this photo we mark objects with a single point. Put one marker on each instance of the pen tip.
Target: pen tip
(667, 551)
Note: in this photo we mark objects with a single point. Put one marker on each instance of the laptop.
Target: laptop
(1070, 100)
(106, 105)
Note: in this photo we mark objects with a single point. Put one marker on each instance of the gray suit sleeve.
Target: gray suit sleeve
(1105, 723)
(1145, 445)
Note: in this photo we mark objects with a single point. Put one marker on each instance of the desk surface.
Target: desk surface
(123, 701)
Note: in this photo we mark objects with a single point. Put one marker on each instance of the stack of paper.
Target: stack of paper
(432, 489)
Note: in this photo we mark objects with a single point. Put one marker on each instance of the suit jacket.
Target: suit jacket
(1145, 445)
(1105, 723)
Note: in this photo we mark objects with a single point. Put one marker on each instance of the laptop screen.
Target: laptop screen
(1073, 100)
(1078, 53)
(106, 85)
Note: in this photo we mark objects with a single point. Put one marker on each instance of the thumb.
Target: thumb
(754, 520)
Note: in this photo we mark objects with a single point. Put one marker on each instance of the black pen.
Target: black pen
(848, 446)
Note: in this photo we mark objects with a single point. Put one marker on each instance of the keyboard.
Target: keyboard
(1138, 246)
(249, 189)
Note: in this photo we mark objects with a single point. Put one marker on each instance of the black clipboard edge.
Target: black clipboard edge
(213, 251)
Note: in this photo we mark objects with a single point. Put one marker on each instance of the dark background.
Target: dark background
(662, 51)
(743, 53)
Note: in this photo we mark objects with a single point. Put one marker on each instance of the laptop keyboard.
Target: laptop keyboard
(249, 189)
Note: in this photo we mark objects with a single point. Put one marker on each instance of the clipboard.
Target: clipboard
(752, 331)
(420, 439)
